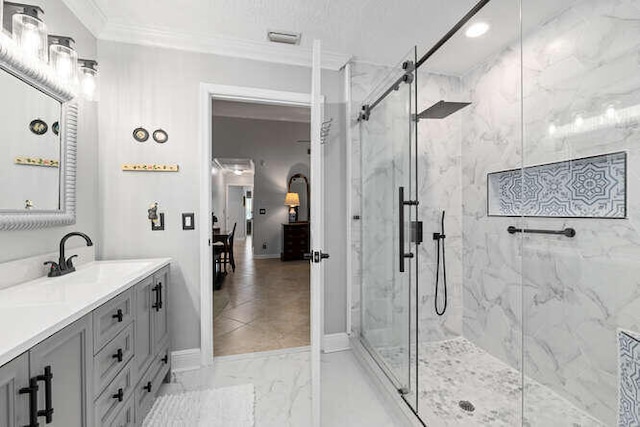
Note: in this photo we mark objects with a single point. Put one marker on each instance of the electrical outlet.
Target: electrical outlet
(264, 245)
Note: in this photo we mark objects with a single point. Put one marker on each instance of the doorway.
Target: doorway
(262, 298)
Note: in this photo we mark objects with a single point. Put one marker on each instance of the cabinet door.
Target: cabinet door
(159, 308)
(14, 406)
(144, 351)
(68, 357)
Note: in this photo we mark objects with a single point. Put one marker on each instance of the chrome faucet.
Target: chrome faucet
(65, 266)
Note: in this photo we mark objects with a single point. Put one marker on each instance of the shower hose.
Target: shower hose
(439, 238)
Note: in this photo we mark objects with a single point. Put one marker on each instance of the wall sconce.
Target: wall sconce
(89, 78)
(63, 57)
(292, 200)
(28, 29)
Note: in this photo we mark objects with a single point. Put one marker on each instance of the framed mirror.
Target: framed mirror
(39, 120)
(299, 183)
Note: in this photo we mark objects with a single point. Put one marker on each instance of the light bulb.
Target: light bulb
(237, 172)
(611, 112)
(552, 129)
(89, 85)
(476, 30)
(579, 121)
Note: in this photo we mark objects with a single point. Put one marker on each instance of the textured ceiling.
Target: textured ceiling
(378, 31)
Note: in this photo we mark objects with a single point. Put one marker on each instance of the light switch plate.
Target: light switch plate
(188, 221)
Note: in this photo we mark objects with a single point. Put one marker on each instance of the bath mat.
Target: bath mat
(223, 407)
(628, 379)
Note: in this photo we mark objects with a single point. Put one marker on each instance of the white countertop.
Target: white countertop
(32, 311)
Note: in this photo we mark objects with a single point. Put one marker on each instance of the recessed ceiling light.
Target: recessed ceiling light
(476, 30)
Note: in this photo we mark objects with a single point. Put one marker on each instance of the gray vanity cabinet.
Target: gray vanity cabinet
(67, 358)
(14, 406)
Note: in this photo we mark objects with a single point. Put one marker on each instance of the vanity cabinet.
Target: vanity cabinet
(104, 369)
(64, 361)
(14, 405)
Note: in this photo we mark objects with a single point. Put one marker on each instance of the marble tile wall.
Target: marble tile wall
(364, 78)
(581, 90)
(440, 188)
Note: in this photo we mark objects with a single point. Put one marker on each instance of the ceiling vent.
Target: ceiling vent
(284, 37)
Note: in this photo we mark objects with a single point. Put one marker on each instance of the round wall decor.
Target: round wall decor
(160, 136)
(140, 134)
(38, 127)
(56, 128)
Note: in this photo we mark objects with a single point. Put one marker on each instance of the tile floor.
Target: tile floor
(267, 308)
(453, 370)
(282, 384)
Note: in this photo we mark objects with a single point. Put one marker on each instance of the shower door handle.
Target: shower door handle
(401, 204)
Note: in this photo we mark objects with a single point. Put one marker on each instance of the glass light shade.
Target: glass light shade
(88, 82)
(30, 34)
(292, 199)
(64, 61)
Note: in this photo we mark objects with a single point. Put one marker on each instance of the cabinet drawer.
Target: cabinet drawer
(112, 358)
(111, 318)
(124, 418)
(145, 393)
(114, 397)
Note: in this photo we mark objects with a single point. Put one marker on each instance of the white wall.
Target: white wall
(21, 244)
(157, 87)
(277, 155)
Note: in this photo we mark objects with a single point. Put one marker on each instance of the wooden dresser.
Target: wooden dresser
(296, 238)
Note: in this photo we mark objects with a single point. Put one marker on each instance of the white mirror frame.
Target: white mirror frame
(43, 78)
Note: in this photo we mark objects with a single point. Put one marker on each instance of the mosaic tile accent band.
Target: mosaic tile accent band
(629, 380)
(592, 187)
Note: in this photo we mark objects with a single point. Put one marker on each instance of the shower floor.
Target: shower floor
(454, 370)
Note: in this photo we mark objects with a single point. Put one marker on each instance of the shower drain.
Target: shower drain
(465, 405)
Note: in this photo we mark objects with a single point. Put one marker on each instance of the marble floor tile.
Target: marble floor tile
(454, 370)
(283, 388)
(267, 305)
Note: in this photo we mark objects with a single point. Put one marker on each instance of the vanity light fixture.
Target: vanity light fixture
(28, 29)
(88, 78)
(476, 30)
(63, 57)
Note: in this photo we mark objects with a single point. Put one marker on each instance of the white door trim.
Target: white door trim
(209, 92)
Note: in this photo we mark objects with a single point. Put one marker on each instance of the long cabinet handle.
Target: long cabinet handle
(32, 391)
(47, 412)
(156, 294)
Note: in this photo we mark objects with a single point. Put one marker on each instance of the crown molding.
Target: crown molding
(90, 14)
(217, 45)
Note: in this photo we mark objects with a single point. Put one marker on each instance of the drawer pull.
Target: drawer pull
(157, 305)
(119, 395)
(165, 359)
(118, 316)
(118, 355)
(147, 387)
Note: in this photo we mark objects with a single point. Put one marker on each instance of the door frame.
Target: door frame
(243, 222)
(209, 92)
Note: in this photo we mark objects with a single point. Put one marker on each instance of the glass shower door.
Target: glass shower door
(388, 255)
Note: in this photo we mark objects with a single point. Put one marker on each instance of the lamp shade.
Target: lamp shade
(292, 199)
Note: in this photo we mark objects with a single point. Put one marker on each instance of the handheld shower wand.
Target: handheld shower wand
(439, 238)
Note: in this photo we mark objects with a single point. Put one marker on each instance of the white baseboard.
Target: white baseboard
(185, 360)
(266, 256)
(332, 343)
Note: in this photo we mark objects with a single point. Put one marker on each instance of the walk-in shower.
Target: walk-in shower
(526, 137)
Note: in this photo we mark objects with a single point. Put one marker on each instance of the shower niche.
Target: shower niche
(590, 187)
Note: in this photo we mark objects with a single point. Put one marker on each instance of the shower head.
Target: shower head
(442, 109)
